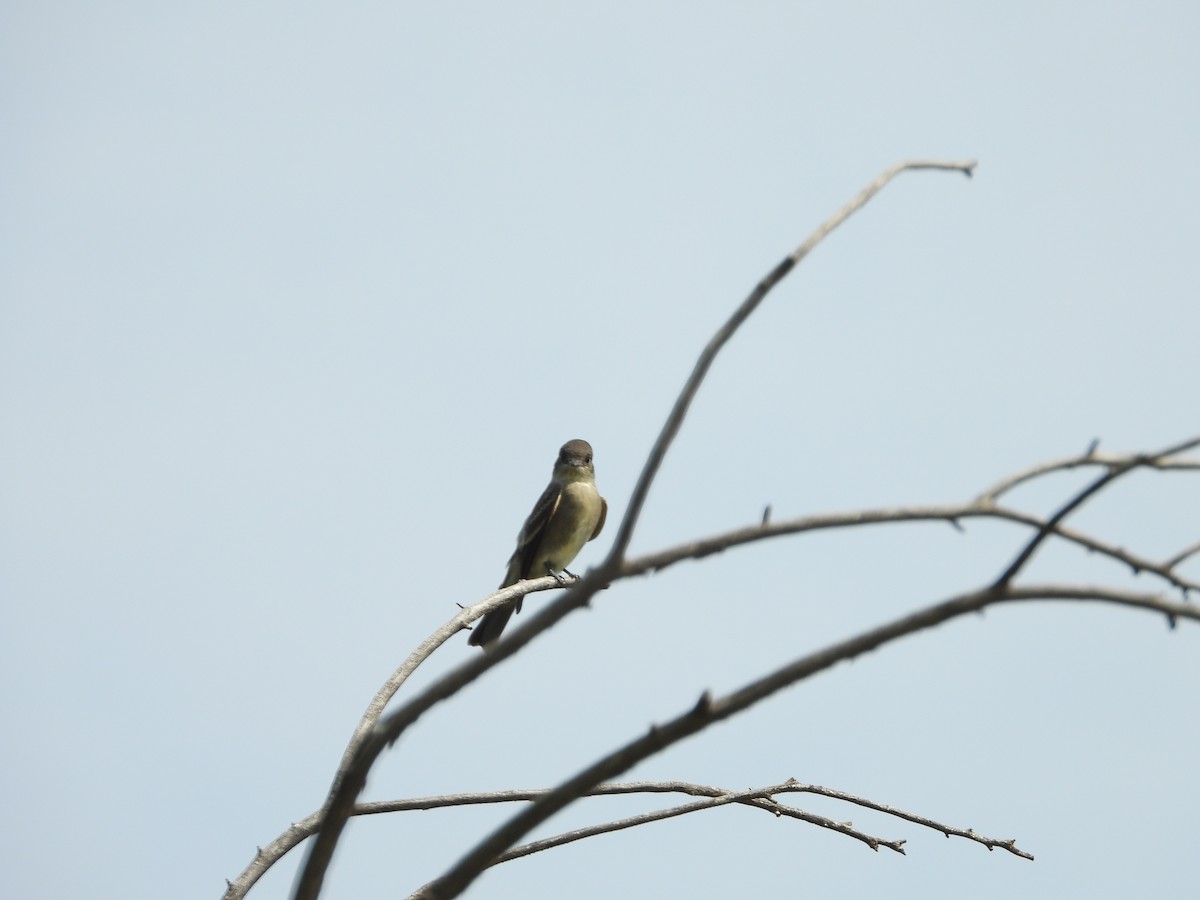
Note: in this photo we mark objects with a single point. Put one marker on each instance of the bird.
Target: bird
(569, 513)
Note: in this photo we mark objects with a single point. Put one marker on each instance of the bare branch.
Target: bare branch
(949, 831)
(1183, 554)
(469, 614)
(341, 801)
(675, 418)
(708, 711)
(310, 825)
(1114, 472)
(759, 799)
(298, 832)
(654, 562)
(353, 776)
(1068, 463)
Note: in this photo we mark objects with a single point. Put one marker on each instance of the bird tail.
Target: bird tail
(491, 625)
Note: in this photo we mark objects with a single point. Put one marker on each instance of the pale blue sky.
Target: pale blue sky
(298, 301)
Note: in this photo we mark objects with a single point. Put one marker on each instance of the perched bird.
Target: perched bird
(569, 513)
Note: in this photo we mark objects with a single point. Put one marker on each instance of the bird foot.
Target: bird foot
(562, 582)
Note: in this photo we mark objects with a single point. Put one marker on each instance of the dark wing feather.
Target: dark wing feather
(600, 521)
(529, 538)
(531, 534)
(489, 628)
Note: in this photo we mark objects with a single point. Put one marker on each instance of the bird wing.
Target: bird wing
(531, 534)
(600, 521)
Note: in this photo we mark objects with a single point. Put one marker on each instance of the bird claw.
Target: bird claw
(562, 582)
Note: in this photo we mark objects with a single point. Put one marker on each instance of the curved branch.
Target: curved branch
(299, 831)
(1183, 554)
(758, 798)
(675, 418)
(708, 711)
(469, 614)
(340, 804)
(1068, 463)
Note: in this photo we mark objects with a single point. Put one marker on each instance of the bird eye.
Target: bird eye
(588, 458)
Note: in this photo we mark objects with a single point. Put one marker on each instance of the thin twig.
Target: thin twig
(758, 798)
(948, 830)
(1114, 472)
(698, 549)
(1183, 554)
(1068, 463)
